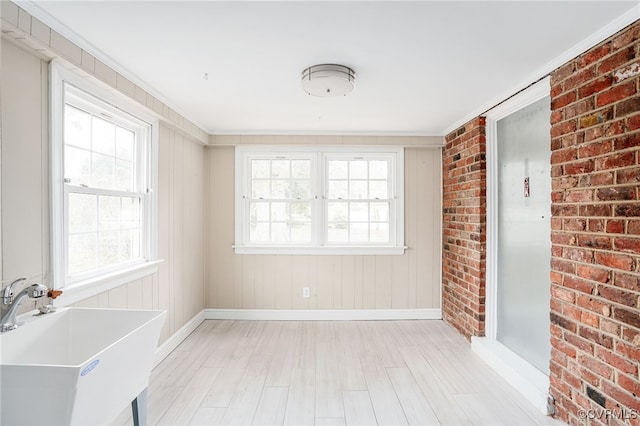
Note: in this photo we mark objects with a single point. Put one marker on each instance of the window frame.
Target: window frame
(92, 95)
(319, 178)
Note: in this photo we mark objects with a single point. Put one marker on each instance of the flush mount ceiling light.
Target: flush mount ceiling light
(328, 80)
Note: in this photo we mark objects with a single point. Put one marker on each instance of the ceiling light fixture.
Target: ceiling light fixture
(328, 80)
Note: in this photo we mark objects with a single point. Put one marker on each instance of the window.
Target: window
(305, 200)
(102, 186)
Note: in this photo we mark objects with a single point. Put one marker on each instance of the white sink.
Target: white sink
(76, 365)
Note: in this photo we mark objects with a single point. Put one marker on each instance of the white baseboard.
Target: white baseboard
(176, 338)
(323, 315)
(528, 380)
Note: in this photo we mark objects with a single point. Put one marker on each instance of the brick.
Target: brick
(626, 72)
(563, 322)
(616, 93)
(579, 342)
(627, 141)
(628, 106)
(622, 396)
(563, 347)
(590, 319)
(579, 167)
(631, 385)
(563, 100)
(631, 318)
(593, 55)
(628, 351)
(629, 245)
(616, 60)
(562, 129)
(578, 284)
(617, 295)
(628, 175)
(596, 225)
(579, 196)
(615, 227)
(596, 337)
(598, 367)
(623, 159)
(593, 241)
(595, 149)
(633, 227)
(595, 86)
(630, 282)
(593, 274)
(616, 193)
(563, 293)
(633, 123)
(594, 305)
(564, 210)
(616, 261)
(574, 224)
(595, 118)
(616, 361)
(627, 210)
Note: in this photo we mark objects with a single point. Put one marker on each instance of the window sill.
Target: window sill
(325, 250)
(88, 288)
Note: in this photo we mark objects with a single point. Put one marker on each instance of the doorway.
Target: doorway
(517, 342)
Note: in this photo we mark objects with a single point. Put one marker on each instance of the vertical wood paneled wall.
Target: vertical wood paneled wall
(408, 281)
(178, 287)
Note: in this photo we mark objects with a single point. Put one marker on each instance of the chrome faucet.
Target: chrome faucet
(34, 291)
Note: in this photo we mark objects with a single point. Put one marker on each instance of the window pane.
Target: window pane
(301, 189)
(77, 127)
(124, 175)
(379, 212)
(379, 232)
(108, 248)
(83, 213)
(77, 166)
(259, 212)
(358, 212)
(279, 212)
(301, 212)
(301, 232)
(103, 171)
(279, 189)
(358, 169)
(279, 232)
(358, 189)
(259, 232)
(82, 253)
(338, 189)
(301, 169)
(260, 189)
(130, 214)
(103, 136)
(125, 144)
(260, 169)
(337, 212)
(338, 233)
(127, 245)
(280, 168)
(378, 169)
(338, 169)
(359, 232)
(378, 189)
(109, 212)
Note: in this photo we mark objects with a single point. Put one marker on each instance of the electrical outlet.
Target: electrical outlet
(305, 292)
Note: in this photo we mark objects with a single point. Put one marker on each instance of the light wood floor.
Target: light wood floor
(331, 373)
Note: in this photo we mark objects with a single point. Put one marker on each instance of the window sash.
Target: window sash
(69, 90)
(320, 198)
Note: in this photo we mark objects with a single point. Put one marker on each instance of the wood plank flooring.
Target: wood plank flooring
(330, 373)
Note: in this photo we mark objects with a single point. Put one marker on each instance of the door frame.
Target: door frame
(531, 382)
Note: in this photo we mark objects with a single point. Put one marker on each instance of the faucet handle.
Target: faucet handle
(7, 295)
(54, 293)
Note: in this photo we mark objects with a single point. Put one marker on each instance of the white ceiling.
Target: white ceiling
(422, 67)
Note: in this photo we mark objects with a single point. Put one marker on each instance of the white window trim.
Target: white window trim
(320, 248)
(112, 278)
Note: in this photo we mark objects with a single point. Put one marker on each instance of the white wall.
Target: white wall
(406, 281)
(178, 287)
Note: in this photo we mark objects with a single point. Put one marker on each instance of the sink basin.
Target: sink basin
(76, 365)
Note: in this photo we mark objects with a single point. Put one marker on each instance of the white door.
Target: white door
(523, 233)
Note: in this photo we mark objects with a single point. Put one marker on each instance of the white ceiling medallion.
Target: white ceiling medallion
(328, 80)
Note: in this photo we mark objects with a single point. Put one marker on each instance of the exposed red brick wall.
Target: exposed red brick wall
(595, 304)
(464, 228)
